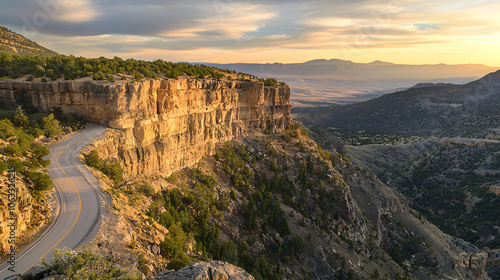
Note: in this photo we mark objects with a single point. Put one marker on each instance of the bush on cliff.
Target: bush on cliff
(114, 170)
(175, 245)
(93, 160)
(84, 265)
(270, 82)
(40, 182)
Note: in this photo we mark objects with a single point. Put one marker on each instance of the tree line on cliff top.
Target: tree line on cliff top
(71, 67)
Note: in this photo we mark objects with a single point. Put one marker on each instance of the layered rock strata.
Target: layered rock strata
(162, 125)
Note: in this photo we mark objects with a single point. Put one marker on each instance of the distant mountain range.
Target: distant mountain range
(443, 109)
(14, 43)
(343, 81)
(318, 82)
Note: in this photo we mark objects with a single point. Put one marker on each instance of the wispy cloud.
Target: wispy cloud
(76, 11)
(268, 31)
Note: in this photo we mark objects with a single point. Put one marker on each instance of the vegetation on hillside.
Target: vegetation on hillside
(365, 137)
(20, 57)
(83, 265)
(113, 170)
(13, 43)
(189, 214)
(26, 156)
(449, 186)
(265, 204)
(22, 149)
(271, 204)
(193, 212)
(17, 132)
(448, 183)
(71, 67)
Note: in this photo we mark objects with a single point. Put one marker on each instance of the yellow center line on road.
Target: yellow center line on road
(77, 217)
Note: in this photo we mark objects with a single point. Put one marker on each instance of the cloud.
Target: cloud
(427, 26)
(246, 18)
(258, 29)
(76, 11)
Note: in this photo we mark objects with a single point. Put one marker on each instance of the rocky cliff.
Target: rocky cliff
(215, 270)
(19, 207)
(162, 125)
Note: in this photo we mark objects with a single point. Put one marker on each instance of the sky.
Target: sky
(258, 31)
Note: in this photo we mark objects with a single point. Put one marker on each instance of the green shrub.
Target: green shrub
(16, 163)
(20, 119)
(174, 247)
(172, 178)
(36, 132)
(51, 126)
(41, 181)
(270, 82)
(133, 244)
(227, 252)
(147, 189)
(85, 265)
(92, 159)
(138, 76)
(39, 151)
(3, 166)
(295, 245)
(114, 171)
(13, 150)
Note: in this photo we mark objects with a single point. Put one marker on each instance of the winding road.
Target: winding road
(80, 213)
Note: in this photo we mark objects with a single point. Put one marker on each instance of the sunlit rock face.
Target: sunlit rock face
(163, 125)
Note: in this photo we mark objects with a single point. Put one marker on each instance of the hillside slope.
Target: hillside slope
(14, 43)
(450, 181)
(281, 208)
(450, 110)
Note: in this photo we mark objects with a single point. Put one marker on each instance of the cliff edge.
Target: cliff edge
(160, 126)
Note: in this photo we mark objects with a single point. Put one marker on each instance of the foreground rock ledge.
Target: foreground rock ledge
(215, 270)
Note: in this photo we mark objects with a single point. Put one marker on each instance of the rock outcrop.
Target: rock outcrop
(215, 270)
(21, 216)
(162, 125)
(476, 262)
(15, 211)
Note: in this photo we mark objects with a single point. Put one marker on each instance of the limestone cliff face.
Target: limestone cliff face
(20, 211)
(19, 219)
(163, 125)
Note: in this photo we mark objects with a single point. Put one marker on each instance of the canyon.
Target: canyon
(160, 126)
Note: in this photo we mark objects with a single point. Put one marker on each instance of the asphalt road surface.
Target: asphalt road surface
(79, 197)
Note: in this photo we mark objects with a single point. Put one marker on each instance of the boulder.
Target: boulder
(215, 270)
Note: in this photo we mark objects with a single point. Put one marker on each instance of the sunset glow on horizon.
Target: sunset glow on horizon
(255, 31)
